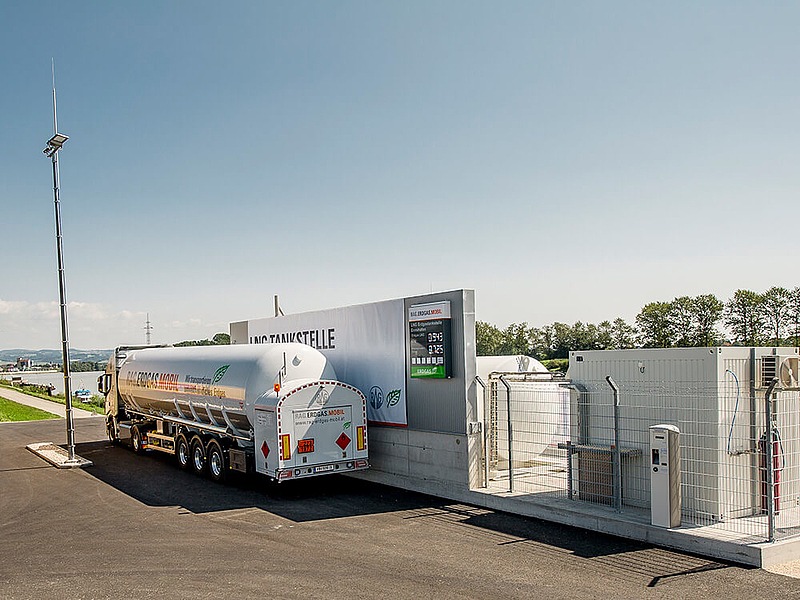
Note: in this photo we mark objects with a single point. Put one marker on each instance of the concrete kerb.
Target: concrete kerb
(57, 456)
(757, 555)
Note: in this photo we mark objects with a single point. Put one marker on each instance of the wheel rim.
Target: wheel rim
(198, 458)
(136, 441)
(183, 453)
(215, 463)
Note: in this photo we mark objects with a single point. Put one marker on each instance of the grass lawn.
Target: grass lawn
(97, 404)
(11, 411)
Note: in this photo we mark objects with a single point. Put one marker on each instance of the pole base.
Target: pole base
(57, 456)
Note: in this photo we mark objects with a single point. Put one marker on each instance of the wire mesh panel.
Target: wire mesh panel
(527, 418)
(568, 440)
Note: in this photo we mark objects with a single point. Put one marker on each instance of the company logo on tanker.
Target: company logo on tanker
(220, 373)
(156, 381)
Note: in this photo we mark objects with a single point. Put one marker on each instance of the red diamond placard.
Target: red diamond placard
(264, 449)
(343, 441)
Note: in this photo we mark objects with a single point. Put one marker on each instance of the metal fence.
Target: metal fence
(590, 443)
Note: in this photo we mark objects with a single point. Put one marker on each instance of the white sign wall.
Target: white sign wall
(364, 343)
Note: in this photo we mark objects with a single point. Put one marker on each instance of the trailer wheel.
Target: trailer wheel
(136, 440)
(183, 452)
(111, 431)
(217, 468)
(198, 461)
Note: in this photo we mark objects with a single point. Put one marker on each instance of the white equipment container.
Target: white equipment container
(665, 476)
(274, 408)
(716, 397)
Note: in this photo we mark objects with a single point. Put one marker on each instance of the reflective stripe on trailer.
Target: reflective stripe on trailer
(286, 449)
(361, 437)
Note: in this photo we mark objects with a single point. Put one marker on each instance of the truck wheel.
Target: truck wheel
(183, 452)
(111, 431)
(198, 457)
(217, 468)
(136, 440)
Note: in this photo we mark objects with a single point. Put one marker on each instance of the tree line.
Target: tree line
(746, 319)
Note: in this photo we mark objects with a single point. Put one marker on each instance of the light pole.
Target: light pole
(54, 144)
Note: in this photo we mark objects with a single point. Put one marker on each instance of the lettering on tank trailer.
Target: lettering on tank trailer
(326, 415)
(170, 382)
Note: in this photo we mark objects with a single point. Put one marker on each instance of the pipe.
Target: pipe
(616, 456)
(484, 440)
(770, 463)
(510, 436)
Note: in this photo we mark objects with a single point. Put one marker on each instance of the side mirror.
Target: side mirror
(104, 383)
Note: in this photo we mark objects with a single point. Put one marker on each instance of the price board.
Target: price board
(429, 340)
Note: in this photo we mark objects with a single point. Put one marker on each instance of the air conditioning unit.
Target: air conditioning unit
(786, 369)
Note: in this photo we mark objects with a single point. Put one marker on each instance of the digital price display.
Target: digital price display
(429, 340)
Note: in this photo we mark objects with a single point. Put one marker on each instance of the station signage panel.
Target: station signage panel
(431, 353)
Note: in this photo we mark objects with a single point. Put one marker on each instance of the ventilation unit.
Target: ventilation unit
(786, 369)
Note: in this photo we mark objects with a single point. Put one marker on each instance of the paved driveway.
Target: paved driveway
(46, 405)
(133, 526)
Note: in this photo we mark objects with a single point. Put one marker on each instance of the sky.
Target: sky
(567, 161)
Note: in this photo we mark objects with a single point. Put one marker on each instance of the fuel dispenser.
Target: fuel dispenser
(665, 476)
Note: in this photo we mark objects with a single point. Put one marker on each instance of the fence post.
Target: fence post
(770, 437)
(616, 455)
(484, 432)
(510, 436)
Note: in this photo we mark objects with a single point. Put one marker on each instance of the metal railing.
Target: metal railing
(588, 442)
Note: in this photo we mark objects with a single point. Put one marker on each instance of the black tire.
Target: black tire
(137, 440)
(183, 452)
(215, 457)
(111, 430)
(198, 456)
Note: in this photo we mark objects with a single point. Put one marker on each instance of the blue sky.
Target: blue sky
(568, 161)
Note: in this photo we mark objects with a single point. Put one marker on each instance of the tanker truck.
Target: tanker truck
(275, 409)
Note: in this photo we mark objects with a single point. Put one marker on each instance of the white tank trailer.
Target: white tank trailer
(276, 409)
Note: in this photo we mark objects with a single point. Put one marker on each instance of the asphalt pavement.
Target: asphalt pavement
(137, 526)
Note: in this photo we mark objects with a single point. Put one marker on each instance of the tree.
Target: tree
(794, 315)
(516, 339)
(707, 312)
(561, 340)
(623, 335)
(488, 339)
(681, 316)
(605, 335)
(221, 339)
(655, 326)
(744, 318)
(218, 339)
(776, 309)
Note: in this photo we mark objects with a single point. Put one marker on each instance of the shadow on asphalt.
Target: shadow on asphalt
(606, 554)
(155, 480)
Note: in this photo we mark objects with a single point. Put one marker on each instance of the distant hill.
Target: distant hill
(54, 356)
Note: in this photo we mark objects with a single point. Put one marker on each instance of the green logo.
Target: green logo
(220, 372)
(392, 397)
(346, 425)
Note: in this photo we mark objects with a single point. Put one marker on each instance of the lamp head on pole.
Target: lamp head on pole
(55, 143)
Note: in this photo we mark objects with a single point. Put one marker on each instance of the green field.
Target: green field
(97, 404)
(11, 411)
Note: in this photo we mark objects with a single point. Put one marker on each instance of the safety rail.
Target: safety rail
(588, 441)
